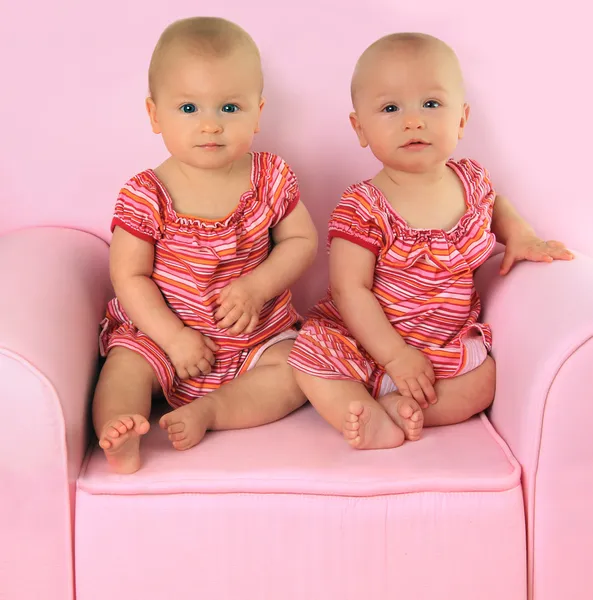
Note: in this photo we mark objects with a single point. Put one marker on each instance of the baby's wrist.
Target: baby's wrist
(171, 334)
(396, 353)
(520, 231)
(258, 284)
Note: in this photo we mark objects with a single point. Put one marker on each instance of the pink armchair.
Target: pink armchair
(487, 509)
(497, 508)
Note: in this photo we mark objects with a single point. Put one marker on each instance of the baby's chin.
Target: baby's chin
(417, 162)
(214, 157)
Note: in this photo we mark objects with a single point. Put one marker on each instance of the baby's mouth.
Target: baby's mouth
(415, 143)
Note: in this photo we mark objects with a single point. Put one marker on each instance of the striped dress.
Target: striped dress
(423, 282)
(194, 259)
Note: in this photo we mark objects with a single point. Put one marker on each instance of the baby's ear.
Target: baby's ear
(151, 110)
(463, 121)
(262, 103)
(358, 129)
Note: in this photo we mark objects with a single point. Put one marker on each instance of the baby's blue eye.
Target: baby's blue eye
(188, 108)
(230, 108)
(432, 104)
(390, 108)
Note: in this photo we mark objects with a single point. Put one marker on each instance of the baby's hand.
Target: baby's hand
(239, 306)
(412, 373)
(530, 247)
(191, 353)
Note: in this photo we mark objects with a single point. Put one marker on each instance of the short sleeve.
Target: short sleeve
(282, 189)
(353, 220)
(478, 182)
(137, 209)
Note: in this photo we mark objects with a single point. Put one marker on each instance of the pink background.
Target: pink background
(74, 81)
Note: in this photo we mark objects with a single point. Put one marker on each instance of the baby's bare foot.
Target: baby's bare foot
(406, 414)
(120, 440)
(187, 424)
(368, 427)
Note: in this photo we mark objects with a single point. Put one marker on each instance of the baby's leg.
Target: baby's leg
(348, 407)
(266, 393)
(462, 397)
(121, 407)
(458, 398)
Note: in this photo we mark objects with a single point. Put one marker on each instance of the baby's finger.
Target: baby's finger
(417, 392)
(559, 251)
(194, 371)
(508, 260)
(231, 318)
(402, 387)
(252, 324)
(240, 325)
(208, 355)
(204, 366)
(427, 388)
(223, 295)
(182, 373)
(429, 372)
(210, 343)
(223, 310)
(538, 255)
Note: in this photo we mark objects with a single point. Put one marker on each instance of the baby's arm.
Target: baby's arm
(520, 239)
(295, 246)
(352, 270)
(131, 262)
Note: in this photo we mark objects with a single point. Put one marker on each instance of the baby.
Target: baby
(204, 250)
(396, 344)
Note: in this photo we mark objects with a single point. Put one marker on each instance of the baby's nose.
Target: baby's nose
(413, 121)
(209, 125)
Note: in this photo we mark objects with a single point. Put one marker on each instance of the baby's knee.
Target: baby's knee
(289, 374)
(304, 381)
(127, 365)
(479, 396)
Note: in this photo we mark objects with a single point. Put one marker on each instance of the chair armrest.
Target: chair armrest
(542, 322)
(55, 286)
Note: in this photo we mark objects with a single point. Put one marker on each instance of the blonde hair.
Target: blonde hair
(416, 42)
(205, 36)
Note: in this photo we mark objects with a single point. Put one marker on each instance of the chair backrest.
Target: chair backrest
(74, 129)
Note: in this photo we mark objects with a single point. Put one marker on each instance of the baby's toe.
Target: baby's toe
(355, 409)
(105, 444)
(112, 431)
(182, 444)
(127, 422)
(176, 427)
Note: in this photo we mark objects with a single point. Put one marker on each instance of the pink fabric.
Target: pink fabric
(562, 518)
(296, 547)
(299, 514)
(54, 289)
(543, 321)
(303, 455)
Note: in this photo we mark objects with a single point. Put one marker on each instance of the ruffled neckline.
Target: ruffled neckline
(405, 231)
(191, 221)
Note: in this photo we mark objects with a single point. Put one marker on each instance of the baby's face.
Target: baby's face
(409, 108)
(207, 109)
